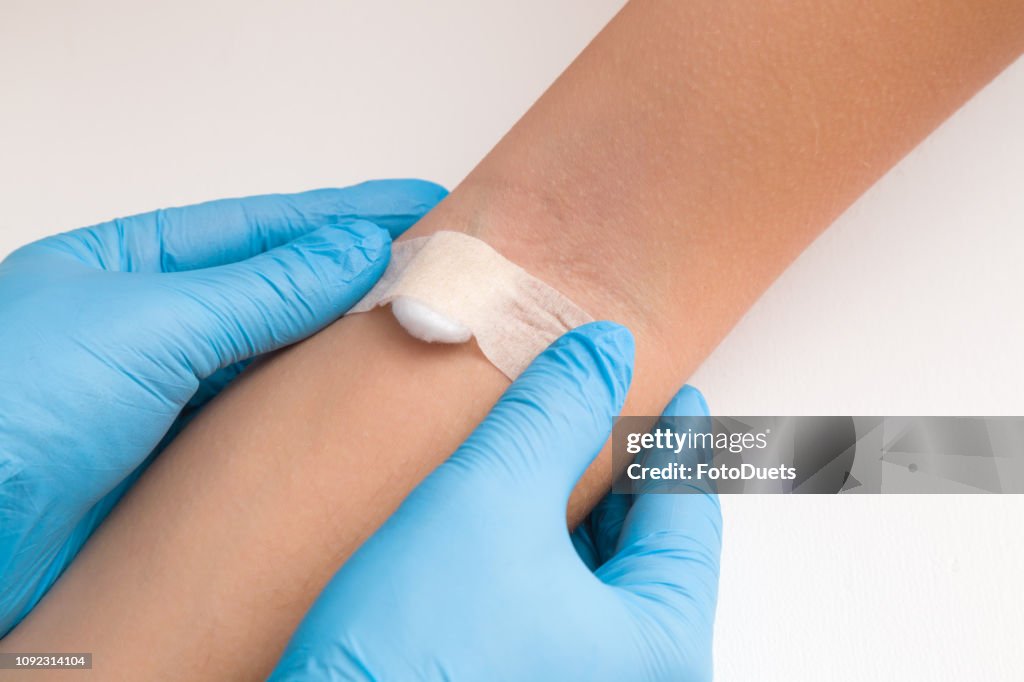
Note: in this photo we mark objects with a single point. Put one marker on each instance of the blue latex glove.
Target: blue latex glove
(111, 336)
(475, 576)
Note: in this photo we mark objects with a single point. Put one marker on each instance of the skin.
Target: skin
(664, 181)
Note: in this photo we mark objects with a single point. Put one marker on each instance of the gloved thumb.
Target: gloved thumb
(552, 421)
(225, 314)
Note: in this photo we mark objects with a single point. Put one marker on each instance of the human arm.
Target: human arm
(674, 170)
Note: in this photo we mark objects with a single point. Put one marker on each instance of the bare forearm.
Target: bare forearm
(695, 148)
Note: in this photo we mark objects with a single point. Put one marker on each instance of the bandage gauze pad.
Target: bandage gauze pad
(450, 287)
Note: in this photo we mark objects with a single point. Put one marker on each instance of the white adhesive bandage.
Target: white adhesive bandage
(450, 287)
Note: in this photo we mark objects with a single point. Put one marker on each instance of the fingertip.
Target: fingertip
(425, 190)
(418, 198)
(612, 336)
(392, 204)
(430, 193)
(609, 350)
(688, 402)
(396, 204)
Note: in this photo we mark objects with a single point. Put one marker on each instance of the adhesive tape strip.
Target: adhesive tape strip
(449, 287)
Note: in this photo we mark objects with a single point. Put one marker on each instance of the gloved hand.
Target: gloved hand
(111, 335)
(475, 577)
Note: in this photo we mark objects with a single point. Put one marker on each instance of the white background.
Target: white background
(909, 304)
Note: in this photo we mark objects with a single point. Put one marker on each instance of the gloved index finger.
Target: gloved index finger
(230, 230)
